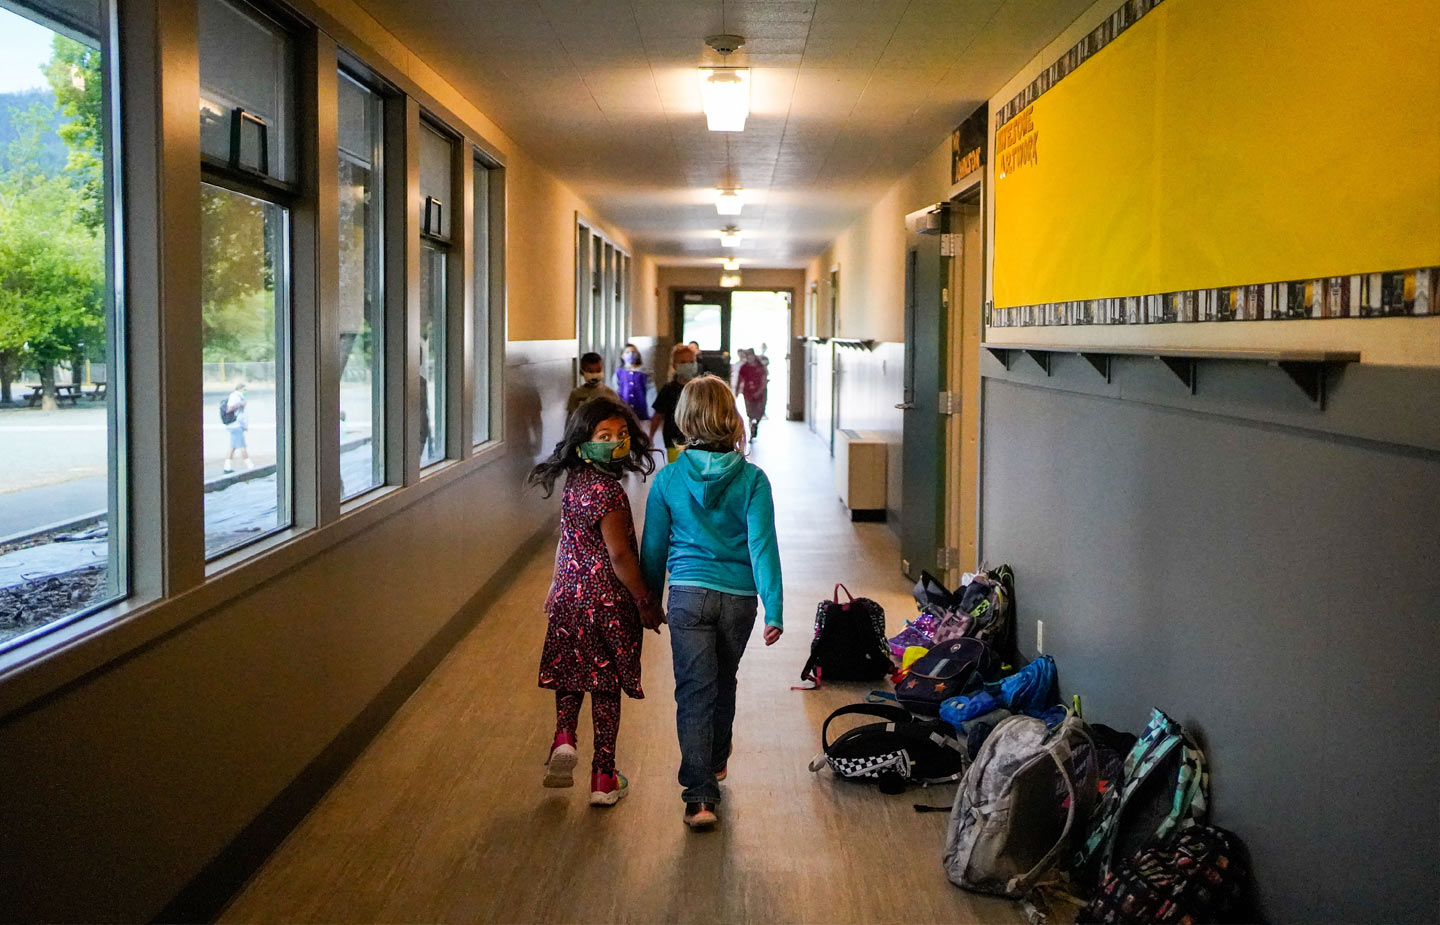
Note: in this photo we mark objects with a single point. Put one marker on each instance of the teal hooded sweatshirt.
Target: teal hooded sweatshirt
(710, 520)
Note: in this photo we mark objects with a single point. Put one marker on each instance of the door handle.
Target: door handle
(905, 406)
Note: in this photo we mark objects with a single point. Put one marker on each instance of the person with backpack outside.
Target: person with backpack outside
(598, 602)
(632, 383)
(684, 366)
(236, 419)
(710, 522)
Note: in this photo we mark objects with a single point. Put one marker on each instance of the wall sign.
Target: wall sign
(967, 145)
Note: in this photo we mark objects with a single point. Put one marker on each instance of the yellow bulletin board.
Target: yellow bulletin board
(1218, 143)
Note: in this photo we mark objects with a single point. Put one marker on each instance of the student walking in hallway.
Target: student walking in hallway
(598, 601)
(710, 522)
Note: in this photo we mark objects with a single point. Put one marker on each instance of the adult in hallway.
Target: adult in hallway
(710, 523)
(684, 366)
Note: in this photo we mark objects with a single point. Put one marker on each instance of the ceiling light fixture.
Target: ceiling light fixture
(729, 236)
(725, 96)
(725, 91)
(729, 201)
(731, 264)
(729, 280)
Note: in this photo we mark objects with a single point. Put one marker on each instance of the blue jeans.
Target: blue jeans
(708, 632)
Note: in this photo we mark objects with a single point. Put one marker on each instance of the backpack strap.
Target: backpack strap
(1061, 752)
(838, 589)
(885, 711)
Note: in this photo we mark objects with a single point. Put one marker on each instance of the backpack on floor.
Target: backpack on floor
(949, 670)
(899, 751)
(1021, 806)
(1165, 787)
(849, 643)
(989, 601)
(1198, 875)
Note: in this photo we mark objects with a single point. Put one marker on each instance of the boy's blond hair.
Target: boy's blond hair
(706, 413)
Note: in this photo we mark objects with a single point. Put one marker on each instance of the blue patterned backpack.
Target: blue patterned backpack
(1165, 788)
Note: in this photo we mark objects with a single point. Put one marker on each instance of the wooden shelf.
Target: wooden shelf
(1305, 368)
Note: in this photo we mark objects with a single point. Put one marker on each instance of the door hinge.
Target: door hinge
(945, 296)
(948, 402)
(951, 245)
(947, 557)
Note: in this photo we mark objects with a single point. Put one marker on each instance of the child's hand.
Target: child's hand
(772, 635)
(651, 617)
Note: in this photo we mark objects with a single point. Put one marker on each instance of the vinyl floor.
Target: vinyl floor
(443, 818)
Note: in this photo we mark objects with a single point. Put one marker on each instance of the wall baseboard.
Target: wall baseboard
(205, 897)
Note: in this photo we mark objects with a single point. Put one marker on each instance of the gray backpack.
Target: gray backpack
(1015, 813)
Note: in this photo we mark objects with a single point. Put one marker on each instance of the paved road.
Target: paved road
(23, 511)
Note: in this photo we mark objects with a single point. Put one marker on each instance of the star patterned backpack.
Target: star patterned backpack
(948, 670)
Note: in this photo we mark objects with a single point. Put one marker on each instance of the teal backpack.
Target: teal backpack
(1165, 788)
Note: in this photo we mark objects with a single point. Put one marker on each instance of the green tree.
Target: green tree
(52, 267)
(73, 73)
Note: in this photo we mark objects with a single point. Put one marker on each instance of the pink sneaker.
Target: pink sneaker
(607, 789)
(561, 764)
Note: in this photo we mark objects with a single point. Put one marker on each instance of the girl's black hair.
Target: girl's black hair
(578, 429)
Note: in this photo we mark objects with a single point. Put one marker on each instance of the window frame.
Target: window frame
(304, 233)
(347, 66)
(602, 293)
(494, 296)
(119, 446)
(158, 176)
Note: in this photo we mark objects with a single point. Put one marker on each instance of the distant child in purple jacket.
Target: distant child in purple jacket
(632, 383)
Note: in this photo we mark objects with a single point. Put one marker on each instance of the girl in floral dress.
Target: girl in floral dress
(598, 601)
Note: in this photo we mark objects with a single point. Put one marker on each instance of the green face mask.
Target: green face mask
(599, 451)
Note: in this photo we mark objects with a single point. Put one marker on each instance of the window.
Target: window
(436, 201)
(247, 148)
(62, 469)
(480, 287)
(362, 287)
(602, 319)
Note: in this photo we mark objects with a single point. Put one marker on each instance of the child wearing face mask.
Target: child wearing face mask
(592, 372)
(598, 601)
(684, 361)
(632, 383)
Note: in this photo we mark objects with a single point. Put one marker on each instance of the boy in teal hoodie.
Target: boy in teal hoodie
(710, 521)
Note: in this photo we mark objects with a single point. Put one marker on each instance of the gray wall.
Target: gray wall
(1267, 573)
(119, 789)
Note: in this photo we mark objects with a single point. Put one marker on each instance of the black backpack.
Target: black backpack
(227, 416)
(893, 753)
(952, 668)
(849, 642)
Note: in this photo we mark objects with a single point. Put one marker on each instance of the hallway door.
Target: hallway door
(922, 513)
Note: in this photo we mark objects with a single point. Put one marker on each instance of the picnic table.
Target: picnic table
(63, 392)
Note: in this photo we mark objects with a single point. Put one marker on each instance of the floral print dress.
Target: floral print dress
(593, 641)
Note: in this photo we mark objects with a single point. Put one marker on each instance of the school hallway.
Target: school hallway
(1088, 306)
(443, 817)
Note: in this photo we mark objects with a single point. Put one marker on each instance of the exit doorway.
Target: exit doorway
(725, 321)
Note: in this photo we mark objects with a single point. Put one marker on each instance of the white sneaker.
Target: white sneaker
(228, 468)
(559, 770)
(249, 463)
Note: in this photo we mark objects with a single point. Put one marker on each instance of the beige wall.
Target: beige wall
(645, 319)
(871, 254)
